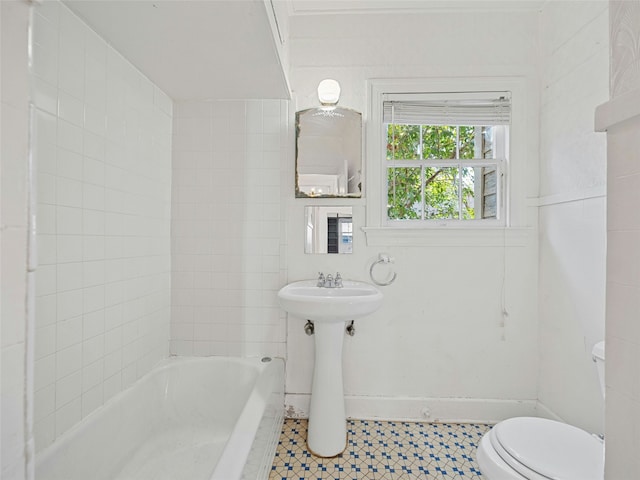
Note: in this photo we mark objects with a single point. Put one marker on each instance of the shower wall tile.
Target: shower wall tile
(103, 151)
(226, 224)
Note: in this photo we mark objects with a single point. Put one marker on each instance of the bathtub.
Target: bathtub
(213, 418)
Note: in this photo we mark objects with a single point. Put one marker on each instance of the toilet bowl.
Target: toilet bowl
(528, 448)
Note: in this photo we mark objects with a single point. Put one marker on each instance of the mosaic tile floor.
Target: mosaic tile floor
(383, 451)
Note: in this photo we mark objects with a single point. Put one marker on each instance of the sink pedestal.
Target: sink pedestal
(329, 309)
(327, 435)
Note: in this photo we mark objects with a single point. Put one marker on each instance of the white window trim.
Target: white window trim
(510, 230)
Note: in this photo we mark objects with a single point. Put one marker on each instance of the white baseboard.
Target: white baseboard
(458, 410)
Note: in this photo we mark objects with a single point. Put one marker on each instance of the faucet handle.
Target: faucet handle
(338, 280)
(320, 279)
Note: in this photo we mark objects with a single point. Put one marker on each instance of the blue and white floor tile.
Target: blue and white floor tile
(379, 450)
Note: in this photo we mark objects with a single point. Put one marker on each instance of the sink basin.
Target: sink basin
(319, 304)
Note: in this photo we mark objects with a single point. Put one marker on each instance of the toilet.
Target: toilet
(529, 448)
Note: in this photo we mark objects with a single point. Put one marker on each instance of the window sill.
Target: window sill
(449, 237)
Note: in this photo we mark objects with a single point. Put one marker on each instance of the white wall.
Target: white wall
(227, 227)
(14, 123)
(103, 154)
(623, 308)
(621, 118)
(440, 340)
(574, 80)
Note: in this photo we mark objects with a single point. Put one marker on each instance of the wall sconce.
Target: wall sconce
(328, 92)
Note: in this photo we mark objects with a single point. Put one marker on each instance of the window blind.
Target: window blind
(474, 111)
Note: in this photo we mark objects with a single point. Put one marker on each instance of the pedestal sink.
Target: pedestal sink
(329, 309)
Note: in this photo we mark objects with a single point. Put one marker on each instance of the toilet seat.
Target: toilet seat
(524, 471)
(541, 449)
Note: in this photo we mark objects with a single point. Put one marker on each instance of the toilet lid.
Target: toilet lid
(552, 449)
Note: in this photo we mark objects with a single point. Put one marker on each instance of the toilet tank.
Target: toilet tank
(598, 357)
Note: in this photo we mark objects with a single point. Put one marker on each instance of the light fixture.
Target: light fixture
(328, 92)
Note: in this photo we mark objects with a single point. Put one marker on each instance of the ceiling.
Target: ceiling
(230, 49)
(195, 49)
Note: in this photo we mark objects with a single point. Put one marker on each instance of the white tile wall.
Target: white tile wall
(574, 56)
(15, 441)
(226, 227)
(103, 150)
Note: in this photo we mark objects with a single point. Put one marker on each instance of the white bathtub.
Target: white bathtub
(214, 418)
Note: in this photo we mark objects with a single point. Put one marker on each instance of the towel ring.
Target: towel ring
(382, 258)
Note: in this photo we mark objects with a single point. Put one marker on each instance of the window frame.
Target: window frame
(379, 231)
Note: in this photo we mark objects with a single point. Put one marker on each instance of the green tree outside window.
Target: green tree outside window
(430, 192)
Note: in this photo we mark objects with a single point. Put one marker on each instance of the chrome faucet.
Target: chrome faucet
(329, 281)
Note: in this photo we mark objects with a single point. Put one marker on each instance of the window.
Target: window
(510, 146)
(445, 157)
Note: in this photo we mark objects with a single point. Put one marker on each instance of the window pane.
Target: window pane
(489, 207)
(439, 141)
(468, 193)
(441, 193)
(487, 142)
(403, 142)
(404, 197)
(467, 142)
(489, 192)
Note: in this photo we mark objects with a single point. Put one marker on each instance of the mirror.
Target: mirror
(328, 152)
(328, 229)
